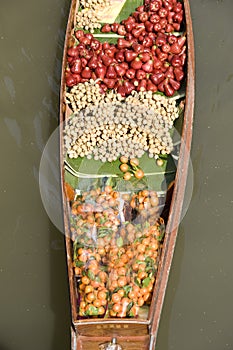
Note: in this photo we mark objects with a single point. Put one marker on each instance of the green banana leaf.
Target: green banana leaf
(128, 8)
(156, 178)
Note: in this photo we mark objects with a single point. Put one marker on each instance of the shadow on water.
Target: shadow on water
(59, 291)
(174, 277)
(3, 347)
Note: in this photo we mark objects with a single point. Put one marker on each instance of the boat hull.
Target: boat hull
(133, 334)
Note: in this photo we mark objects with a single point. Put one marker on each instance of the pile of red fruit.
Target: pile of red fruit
(149, 57)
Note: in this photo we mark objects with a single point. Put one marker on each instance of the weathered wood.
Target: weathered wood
(132, 334)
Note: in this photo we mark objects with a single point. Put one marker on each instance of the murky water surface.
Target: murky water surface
(34, 301)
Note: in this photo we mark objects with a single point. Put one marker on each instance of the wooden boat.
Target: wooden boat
(139, 332)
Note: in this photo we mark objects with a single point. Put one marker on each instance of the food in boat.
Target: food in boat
(122, 98)
(149, 55)
(109, 130)
(117, 242)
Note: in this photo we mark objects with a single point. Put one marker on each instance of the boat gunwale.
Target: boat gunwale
(178, 193)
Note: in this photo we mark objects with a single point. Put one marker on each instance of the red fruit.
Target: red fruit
(157, 63)
(136, 63)
(83, 80)
(165, 48)
(157, 78)
(120, 70)
(124, 65)
(129, 20)
(79, 33)
(169, 72)
(130, 73)
(93, 62)
(76, 67)
(169, 28)
(148, 66)
(176, 26)
(140, 74)
(152, 36)
(128, 37)
(100, 72)
(70, 80)
(155, 6)
(151, 87)
(172, 39)
(103, 88)
(174, 84)
(106, 28)
(143, 17)
(111, 51)
(135, 15)
(129, 27)
(70, 59)
(119, 56)
(154, 18)
(147, 42)
(77, 77)
(144, 56)
(121, 30)
(89, 36)
(162, 12)
(183, 50)
(99, 56)
(161, 40)
(142, 85)
(84, 53)
(130, 55)
(161, 86)
(80, 46)
(162, 56)
(176, 61)
(93, 76)
(170, 17)
(149, 26)
(178, 7)
(183, 58)
(138, 48)
(114, 27)
(168, 89)
(157, 27)
(121, 90)
(129, 87)
(95, 44)
(105, 45)
(167, 5)
(178, 17)
(111, 72)
(163, 23)
(179, 74)
(122, 43)
(181, 41)
(84, 40)
(140, 8)
(84, 61)
(140, 39)
(73, 51)
(136, 32)
(110, 83)
(107, 60)
(86, 73)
